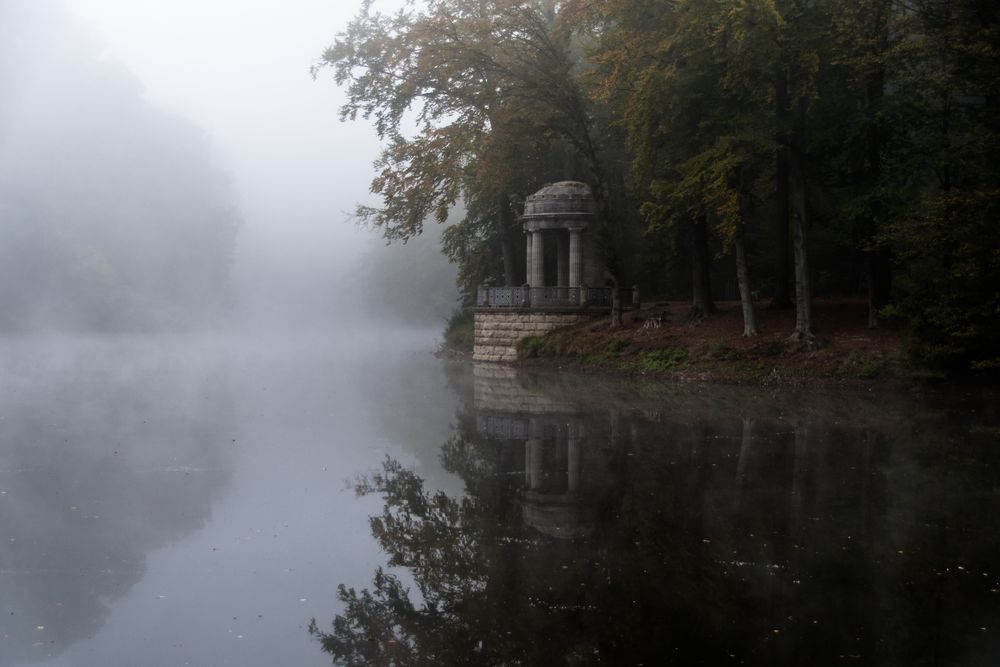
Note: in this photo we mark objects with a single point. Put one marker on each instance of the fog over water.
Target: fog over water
(189, 369)
(185, 500)
(201, 356)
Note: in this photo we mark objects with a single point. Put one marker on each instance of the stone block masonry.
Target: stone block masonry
(498, 333)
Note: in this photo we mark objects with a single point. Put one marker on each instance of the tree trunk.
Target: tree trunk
(803, 283)
(743, 278)
(616, 307)
(622, 213)
(782, 296)
(879, 282)
(879, 267)
(701, 302)
(504, 220)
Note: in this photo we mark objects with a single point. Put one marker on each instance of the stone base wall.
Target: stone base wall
(497, 333)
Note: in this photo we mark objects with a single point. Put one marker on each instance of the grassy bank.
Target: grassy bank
(459, 332)
(660, 340)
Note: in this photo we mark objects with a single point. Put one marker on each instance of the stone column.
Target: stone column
(527, 262)
(562, 257)
(575, 257)
(537, 260)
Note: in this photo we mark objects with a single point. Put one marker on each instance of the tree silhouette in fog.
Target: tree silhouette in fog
(115, 215)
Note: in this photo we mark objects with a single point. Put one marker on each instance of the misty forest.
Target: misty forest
(499, 332)
(115, 216)
(824, 148)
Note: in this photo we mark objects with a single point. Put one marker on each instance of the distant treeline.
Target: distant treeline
(786, 147)
(113, 216)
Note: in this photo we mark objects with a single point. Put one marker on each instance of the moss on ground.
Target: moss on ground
(633, 350)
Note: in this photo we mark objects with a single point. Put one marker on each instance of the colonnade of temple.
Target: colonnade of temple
(569, 256)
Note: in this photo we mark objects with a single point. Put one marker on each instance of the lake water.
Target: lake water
(199, 501)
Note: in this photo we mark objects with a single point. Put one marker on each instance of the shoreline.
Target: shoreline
(659, 342)
(703, 376)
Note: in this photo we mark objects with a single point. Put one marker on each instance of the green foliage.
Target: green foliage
(620, 345)
(472, 245)
(902, 110)
(657, 361)
(883, 116)
(459, 332)
(531, 347)
(771, 349)
(723, 351)
(943, 158)
(490, 89)
(874, 369)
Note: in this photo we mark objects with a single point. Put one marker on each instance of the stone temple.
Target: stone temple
(559, 215)
(565, 282)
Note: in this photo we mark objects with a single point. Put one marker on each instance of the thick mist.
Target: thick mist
(204, 360)
(115, 214)
(199, 348)
(171, 177)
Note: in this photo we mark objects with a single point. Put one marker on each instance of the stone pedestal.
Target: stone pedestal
(497, 333)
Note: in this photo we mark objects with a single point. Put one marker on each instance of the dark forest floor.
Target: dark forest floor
(714, 349)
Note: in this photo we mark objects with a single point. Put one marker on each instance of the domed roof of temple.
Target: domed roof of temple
(565, 198)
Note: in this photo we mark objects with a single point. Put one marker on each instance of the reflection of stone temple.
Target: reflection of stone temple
(732, 525)
(554, 437)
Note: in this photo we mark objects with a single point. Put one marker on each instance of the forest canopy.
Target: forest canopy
(787, 148)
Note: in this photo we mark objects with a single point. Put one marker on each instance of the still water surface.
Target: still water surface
(167, 502)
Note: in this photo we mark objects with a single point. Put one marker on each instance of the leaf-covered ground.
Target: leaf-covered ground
(660, 339)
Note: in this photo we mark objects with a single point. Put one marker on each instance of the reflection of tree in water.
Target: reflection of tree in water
(106, 455)
(696, 542)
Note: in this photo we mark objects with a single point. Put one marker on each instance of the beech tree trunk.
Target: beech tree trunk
(879, 282)
(803, 282)
(743, 279)
(701, 301)
(878, 254)
(782, 296)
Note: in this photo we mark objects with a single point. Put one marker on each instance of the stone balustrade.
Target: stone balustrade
(534, 298)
